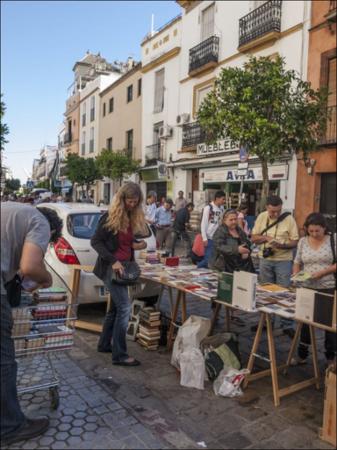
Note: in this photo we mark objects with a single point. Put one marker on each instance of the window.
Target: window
(159, 91)
(83, 144)
(200, 91)
(84, 116)
(111, 104)
(328, 194)
(139, 87)
(331, 129)
(207, 23)
(83, 226)
(129, 93)
(91, 143)
(109, 143)
(92, 109)
(129, 142)
(104, 109)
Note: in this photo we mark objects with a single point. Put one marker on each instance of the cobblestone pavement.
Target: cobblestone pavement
(105, 406)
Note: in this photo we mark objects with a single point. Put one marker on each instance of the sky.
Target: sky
(40, 43)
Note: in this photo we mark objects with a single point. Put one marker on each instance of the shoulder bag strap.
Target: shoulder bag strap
(282, 217)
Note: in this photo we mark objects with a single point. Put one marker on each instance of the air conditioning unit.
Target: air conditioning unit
(182, 118)
(165, 132)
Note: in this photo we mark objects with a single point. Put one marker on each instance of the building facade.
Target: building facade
(316, 179)
(160, 68)
(121, 121)
(215, 35)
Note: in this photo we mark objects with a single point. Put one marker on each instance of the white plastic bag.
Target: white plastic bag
(192, 367)
(228, 382)
(190, 334)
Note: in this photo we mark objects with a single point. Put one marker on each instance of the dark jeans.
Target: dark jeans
(305, 339)
(116, 320)
(11, 415)
(174, 237)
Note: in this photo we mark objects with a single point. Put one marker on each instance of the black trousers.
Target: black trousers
(305, 339)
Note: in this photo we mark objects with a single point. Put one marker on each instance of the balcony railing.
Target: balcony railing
(206, 52)
(330, 133)
(262, 20)
(192, 135)
(67, 138)
(153, 153)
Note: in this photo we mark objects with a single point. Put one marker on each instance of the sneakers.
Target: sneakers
(297, 361)
(29, 429)
(289, 332)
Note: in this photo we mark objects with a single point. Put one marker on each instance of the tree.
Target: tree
(116, 165)
(3, 126)
(266, 109)
(11, 185)
(83, 171)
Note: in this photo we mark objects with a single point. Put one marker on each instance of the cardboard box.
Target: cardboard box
(328, 431)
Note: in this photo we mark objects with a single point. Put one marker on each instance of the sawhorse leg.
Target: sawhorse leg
(181, 297)
(215, 316)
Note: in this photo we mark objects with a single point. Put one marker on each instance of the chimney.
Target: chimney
(130, 63)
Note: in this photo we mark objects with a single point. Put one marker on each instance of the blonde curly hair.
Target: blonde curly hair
(119, 218)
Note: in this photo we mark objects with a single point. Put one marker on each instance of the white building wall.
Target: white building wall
(293, 47)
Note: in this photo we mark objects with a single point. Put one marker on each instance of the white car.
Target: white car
(79, 224)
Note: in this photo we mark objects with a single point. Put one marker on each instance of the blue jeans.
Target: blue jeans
(116, 320)
(278, 272)
(11, 415)
(203, 264)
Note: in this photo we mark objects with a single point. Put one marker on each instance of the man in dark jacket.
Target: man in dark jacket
(180, 224)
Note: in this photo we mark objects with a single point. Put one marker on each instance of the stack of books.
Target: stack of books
(149, 328)
(53, 294)
(152, 258)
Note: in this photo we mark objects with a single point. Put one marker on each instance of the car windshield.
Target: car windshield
(83, 225)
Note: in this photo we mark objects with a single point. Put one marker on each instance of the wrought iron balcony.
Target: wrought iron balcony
(193, 134)
(204, 54)
(262, 20)
(153, 153)
(333, 5)
(330, 133)
(67, 138)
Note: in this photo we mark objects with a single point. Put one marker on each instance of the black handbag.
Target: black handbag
(14, 288)
(130, 274)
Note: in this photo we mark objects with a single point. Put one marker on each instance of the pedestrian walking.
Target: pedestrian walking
(242, 214)
(180, 202)
(163, 221)
(150, 209)
(114, 242)
(277, 234)
(179, 229)
(211, 219)
(316, 255)
(25, 234)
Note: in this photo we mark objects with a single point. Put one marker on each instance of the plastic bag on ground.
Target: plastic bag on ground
(228, 382)
(192, 367)
(190, 334)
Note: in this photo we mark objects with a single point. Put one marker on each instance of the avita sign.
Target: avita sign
(225, 145)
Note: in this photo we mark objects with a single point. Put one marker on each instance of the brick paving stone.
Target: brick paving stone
(64, 427)
(62, 435)
(73, 441)
(78, 423)
(45, 441)
(100, 409)
(90, 427)
(76, 431)
(91, 419)
(67, 419)
(88, 436)
(60, 445)
(235, 440)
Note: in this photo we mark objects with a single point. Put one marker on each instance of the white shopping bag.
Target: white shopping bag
(192, 367)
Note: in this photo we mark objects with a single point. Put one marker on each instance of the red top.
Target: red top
(124, 251)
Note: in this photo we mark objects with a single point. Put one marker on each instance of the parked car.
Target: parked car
(79, 224)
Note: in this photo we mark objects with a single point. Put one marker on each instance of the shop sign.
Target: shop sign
(253, 174)
(225, 145)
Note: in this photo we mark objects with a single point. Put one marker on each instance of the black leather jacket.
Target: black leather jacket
(105, 242)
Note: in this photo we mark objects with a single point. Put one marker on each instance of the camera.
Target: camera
(267, 252)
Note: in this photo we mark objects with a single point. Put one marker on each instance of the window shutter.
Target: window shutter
(207, 23)
(159, 91)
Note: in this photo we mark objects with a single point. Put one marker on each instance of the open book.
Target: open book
(301, 276)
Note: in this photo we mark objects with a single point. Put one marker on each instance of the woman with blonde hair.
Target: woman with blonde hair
(114, 242)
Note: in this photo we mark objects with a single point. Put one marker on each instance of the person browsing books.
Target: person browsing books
(316, 256)
(277, 234)
(211, 219)
(114, 242)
